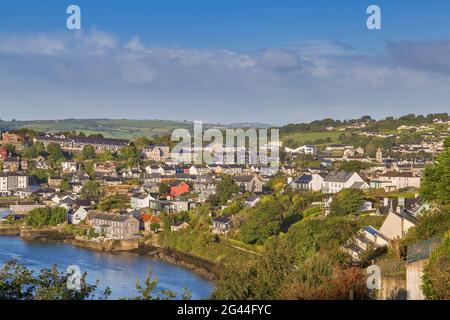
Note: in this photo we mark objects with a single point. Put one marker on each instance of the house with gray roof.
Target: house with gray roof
(115, 226)
(338, 180)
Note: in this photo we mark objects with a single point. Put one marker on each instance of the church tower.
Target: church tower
(379, 156)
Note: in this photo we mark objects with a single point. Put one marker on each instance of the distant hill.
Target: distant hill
(109, 128)
(115, 128)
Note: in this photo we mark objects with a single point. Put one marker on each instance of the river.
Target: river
(118, 271)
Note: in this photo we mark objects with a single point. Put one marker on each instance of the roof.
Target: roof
(246, 178)
(223, 219)
(110, 217)
(357, 185)
(146, 217)
(339, 176)
(398, 174)
(86, 140)
(413, 204)
(306, 178)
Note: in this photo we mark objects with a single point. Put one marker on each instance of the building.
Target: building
(11, 164)
(252, 201)
(249, 183)
(306, 149)
(379, 155)
(54, 182)
(308, 182)
(70, 166)
(178, 226)
(399, 180)
(115, 226)
(336, 181)
(222, 224)
(149, 220)
(141, 201)
(77, 216)
(105, 168)
(12, 181)
(3, 153)
(178, 188)
(78, 143)
(156, 153)
(13, 139)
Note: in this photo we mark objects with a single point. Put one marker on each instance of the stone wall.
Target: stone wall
(24, 208)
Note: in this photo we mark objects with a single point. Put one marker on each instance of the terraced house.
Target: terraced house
(12, 181)
(78, 143)
(115, 226)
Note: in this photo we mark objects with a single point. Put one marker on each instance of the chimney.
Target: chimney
(401, 202)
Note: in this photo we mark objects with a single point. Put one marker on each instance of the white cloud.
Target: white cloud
(279, 82)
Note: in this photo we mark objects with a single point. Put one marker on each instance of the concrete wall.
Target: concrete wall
(414, 272)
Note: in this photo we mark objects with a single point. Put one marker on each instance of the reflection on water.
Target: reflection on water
(118, 271)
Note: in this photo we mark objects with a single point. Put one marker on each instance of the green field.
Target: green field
(304, 137)
(122, 129)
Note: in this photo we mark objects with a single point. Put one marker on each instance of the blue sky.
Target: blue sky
(223, 60)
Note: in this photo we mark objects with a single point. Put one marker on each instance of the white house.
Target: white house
(70, 166)
(400, 180)
(336, 181)
(308, 182)
(141, 201)
(77, 216)
(306, 149)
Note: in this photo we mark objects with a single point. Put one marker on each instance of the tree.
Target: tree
(164, 188)
(436, 180)
(119, 201)
(347, 201)
(55, 152)
(262, 279)
(19, 283)
(91, 190)
(42, 217)
(141, 142)
(148, 291)
(225, 189)
(130, 154)
(265, 221)
(64, 185)
(352, 166)
(436, 274)
(88, 152)
(430, 224)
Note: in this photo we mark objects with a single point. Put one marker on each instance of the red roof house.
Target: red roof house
(178, 188)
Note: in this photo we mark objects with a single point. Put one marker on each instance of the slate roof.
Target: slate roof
(223, 219)
(306, 178)
(110, 217)
(339, 176)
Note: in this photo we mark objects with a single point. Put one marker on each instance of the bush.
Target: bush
(436, 274)
(430, 224)
(347, 201)
(265, 221)
(41, 217)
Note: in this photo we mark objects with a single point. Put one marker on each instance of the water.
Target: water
(117, 271)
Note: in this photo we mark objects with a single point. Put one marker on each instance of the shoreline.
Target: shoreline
(199, 266)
